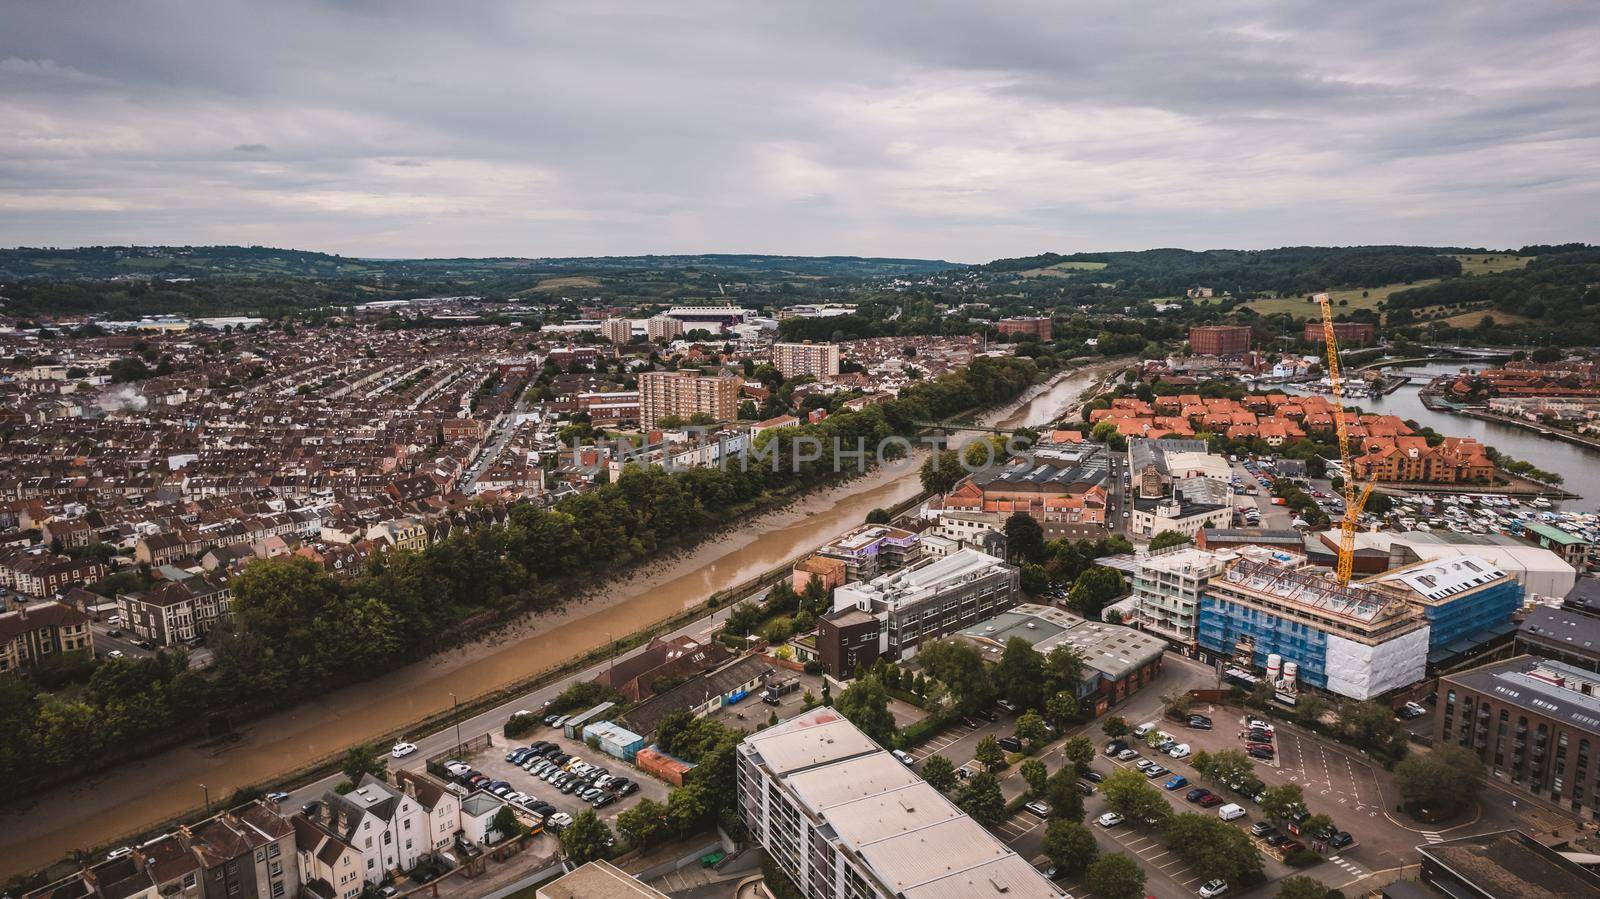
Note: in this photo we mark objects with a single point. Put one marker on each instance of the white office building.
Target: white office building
(1167, 584)
(846, 820)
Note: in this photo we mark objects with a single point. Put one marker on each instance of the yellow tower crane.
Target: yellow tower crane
(1353, 502)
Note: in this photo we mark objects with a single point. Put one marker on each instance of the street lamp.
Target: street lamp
(207, 791)
(455, 712)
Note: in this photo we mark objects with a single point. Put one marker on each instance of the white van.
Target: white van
(1180, 751)
(1230, 811)
(1144, 728)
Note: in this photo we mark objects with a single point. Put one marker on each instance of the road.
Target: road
(502, 429)
(493, 719)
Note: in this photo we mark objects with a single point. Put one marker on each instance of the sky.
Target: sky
(961, 131)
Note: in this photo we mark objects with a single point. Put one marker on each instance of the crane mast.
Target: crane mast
(1353, 502)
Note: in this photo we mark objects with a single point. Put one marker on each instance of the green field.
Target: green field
(1062, 269)
(1299, 308)
(1489, 263)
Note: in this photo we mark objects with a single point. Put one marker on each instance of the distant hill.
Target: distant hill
(102, 263)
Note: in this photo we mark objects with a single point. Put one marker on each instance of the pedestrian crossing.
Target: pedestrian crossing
(1348, 865)
(1432, 837)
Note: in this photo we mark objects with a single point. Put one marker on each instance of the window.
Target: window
(388, 838)
(408, 824)
(277, 889)
(188, 881)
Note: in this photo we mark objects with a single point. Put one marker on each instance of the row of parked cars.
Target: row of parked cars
(571, 775)
(543, 813)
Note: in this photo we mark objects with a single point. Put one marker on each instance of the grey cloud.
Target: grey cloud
(928, 129)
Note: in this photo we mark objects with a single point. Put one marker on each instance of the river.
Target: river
(134, 796)
(1578, 465)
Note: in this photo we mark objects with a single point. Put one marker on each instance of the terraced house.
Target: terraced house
(33, 633)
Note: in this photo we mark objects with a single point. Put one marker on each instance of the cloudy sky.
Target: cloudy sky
(964, 131)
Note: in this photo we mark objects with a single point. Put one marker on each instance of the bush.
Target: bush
(521, 724)
(813, 667)
(919, 732)
(1302, 858)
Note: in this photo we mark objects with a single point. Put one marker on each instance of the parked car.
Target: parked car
(628, 787)
(1412, 710)
(1109, 819)
(1230, 812)
(1010, 744)
(1264, 747)
(1210, 800)
(402, 749)
(904, 757)
(1177, 782)
(1340, 840)
(116, 654)
(1155, 771)
(558, 820)
(1142, 764)
(1199, 722)
(1265, 755)
(603, 800)
(1092, 775)
(1276, 839)
(1213, 888)
(1087, 789)
(1127, 755)
(114, 632)
(1115, 747)
(1196, 794)
(1038, 808)
(277, 796)
(1262, 829)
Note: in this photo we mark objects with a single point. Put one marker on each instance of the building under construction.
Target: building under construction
(1298, 623)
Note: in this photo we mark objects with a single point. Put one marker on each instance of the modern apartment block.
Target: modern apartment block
(1534, 722)
(872, 549)
(1167, 585)
(663, 327)
(686, 393)
(1219, 340)
(816, 360)
(1353, 639)
(845, 820)
(932, 599)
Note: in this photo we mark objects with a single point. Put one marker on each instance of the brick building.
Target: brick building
(1036, 327)
(1219, 340)
(685, 393)
(1348, 333)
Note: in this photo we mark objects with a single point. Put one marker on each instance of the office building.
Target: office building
(617, 330)
(1036, 327)
(684, 394)
(1219, 340)
(1167, 586)
(931, 599)
(663, 327)
(848, 639)
(1347, 333)
(845, 820)
(1534, 722)
(1117, 660)
(815, 360)
(1299, 624)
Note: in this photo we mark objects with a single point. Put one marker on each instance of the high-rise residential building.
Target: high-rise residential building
(617, 330)
(663, 327)
(685, 394)
(816, 360)
(1535, 723)
(845, 820)
(1219, 340)
(1035, 326)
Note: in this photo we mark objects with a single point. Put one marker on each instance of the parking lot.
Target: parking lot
(492, 763)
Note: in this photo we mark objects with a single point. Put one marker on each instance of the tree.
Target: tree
(1064, 796)
(941, 471)
(1168, 538)
(1024, 538)
(1093, 589)
(1032, 730)
(878, 516)
(1213, 848)
(1447, 779)
(980, 797)
(507, 823)
(1020, 674)
(362, 760)
(1281, 801)
(1080, 752)
(1060, 710)
(1115, 876)
(1063, 671)
(1070, 847)
(1176, 705)
(939, 772)
(866, 704)
(1302, 887)
(960, 668)
(1114, 726)
(1130, 795)
(989, 754)
(643, 823)
(1317, 825)
(587, 838)
(1035, 774)
(1371, 725)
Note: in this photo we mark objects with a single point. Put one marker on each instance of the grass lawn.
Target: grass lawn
(1299, 308)
(1471, 319)
(1488, 263)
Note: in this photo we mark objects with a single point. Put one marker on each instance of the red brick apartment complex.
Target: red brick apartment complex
(1037, 327)
(1219, 340)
